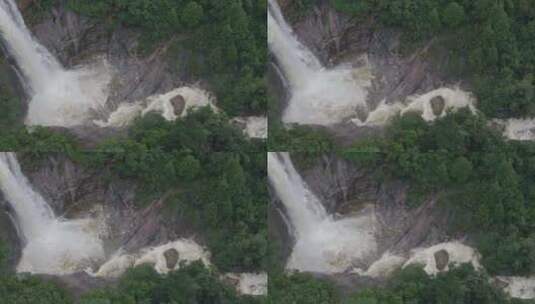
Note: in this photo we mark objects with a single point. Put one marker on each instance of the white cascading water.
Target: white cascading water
(126, 112)
(318, 95)
(519, 287)
(250, 283)
(188, 251)
(454, 99)
(458, 254)
(254, 126)
(51, 245)
(517, 128)
(59, 97)
(322, 243)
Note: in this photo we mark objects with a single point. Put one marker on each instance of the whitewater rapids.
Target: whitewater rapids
(51, 245)
(322, 243)
(58, 97)
(318, 95)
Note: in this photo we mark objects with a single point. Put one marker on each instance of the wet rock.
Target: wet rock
(78, 284)
(9, 237)
(499, 283)
(24, 4)
(171, 258)
(437, 104)
(179, 104)
(414, 112)
(442, 259)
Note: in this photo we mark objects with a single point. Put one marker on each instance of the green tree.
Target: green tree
(453, 15)
(188, 167)
(192, 14)
(460, 170)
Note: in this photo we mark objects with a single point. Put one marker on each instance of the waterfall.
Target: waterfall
(296, 59)
(303, 207)
(52, 245)
(318, 95)
(31, 211)
(322, 243)
(59, 97)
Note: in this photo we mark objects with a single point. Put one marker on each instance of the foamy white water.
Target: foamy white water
(255, 284)
(255, 126)
(454, 99)
(518, 128)
(519, 287)
(383, 267)
(188, 251)
(59, 97)
(52, 245)
(458, 254)
(318, 95)
(193, 98)
(322, 243)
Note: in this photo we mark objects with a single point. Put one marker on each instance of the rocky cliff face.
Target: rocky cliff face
(75, 191)
(337, 38)
(81, 41)
(345, 188)
(76, 40)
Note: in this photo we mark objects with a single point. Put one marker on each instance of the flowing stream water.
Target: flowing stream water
(58, 97)
(452, 99)
(323, 243)
(51, 244)
(191, 97)
(319, 95)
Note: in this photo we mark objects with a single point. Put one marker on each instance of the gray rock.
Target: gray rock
(437, 104)
(179, 104)
(442, 259)
(499, 283)
(24, 4)
(171, 257)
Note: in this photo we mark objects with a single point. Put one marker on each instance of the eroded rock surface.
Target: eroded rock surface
(442, 259)
(171, 258)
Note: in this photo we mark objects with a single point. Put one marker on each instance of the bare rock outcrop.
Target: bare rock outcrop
(442, 259)
(179, 104)
(171, 258)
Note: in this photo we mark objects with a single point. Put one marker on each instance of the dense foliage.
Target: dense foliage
(190, 284)
(225, 41)
(462, 285)
(490, 42)
(215, 175)
(37, 141)
(217, 178)
(300, 288)
(30, 290)
(411, 285)
(484, 182)
(10, 105)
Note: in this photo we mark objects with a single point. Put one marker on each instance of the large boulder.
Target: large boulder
(171, 258)
(179, 104)
(437, 105)
(442, 259)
